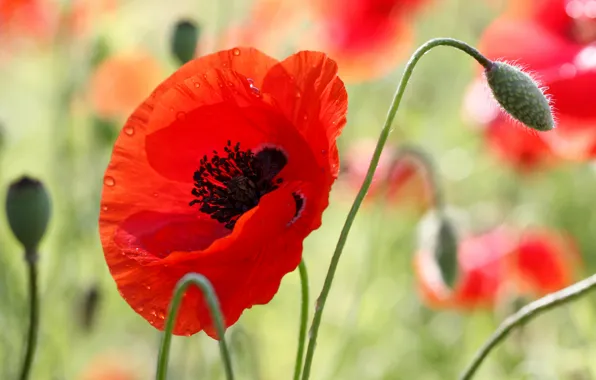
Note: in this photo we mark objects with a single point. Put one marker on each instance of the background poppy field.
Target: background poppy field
(72, 71)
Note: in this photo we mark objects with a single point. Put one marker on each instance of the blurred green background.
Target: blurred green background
(375, 325)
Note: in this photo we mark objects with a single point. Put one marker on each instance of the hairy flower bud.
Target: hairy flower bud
(28, 211)
(520, 96)
(184, 40)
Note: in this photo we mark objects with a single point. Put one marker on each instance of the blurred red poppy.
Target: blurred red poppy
(121, 82)
(543, 261)
(520, 146)
(111, 367)
(397, 180)
(24, 17)
(366, 37)
(482, 273)
(223, 170)
(83, 13)
(558, 45)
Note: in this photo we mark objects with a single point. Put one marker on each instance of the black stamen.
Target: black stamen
(228, 185)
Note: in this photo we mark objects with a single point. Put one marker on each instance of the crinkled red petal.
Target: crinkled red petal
(152, 237)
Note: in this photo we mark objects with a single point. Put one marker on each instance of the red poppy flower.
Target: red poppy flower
(396, 180)
(544, 261)
(30, 17)
(559, 45)
(121, 82)
(522, 147)
(223, 170)
(481, 276)
(112, 367)
(266, 15)
(83, 13)
(366, 37)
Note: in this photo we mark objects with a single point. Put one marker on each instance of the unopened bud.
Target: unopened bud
(520, 96)
(184, 40)
(28, 211)
(438, 236)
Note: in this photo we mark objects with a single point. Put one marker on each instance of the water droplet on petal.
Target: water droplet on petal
(129, 130)
(236, 51)
(305, 117)
(197, 85)
(181, 115)
(105, 208)
(298, 95)
(323, 151)
(140, 309)
(109, 181)
(153, 313)
(148, 287)
(188, 333)
(161, 314)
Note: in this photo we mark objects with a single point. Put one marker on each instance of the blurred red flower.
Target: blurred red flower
(24, 17)
(223, 170)
(536, 262)
(366, 37)
(482, 273)
(83, 13)
(397, 180)
(110, 367)
(121, 82)
(520, 146)
(544, 261)
(559, 46)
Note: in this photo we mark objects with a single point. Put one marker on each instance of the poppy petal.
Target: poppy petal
(307, 89)
(151, 234)
(147, 282)
(220, 105)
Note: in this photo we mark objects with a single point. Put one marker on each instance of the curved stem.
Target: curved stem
(525, 314)
(425, 162)
(368, 179)
(31, 259)
(303, 319)
(213, 304)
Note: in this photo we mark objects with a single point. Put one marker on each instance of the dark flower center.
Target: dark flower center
(228, 185)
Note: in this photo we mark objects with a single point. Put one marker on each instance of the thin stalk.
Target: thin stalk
(303, 319)
(213, 304)
(320, 306)
(526, 314)
(31, 259)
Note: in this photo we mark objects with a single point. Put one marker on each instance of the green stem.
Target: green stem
(213, 304)
(524, 315)
(368, 179)
(303, 319)
(31, 259)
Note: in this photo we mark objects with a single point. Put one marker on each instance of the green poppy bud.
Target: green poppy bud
(184, 40)
(28, 211)
(438, 236)
(520, 96)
